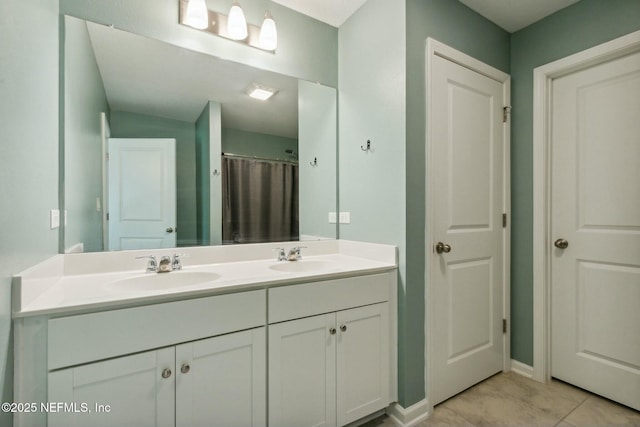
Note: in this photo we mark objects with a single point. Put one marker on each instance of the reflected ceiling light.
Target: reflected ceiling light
(194, 13)
(260, 92)
(268, 33)
(237, 24)
(197, 15)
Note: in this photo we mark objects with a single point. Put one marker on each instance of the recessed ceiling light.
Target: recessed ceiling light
(260, 92)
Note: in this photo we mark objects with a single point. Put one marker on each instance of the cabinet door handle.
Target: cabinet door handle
(332, 331)
(166, 373)
(185, 368)
(343, 328)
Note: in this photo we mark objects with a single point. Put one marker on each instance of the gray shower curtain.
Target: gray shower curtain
(259, 201)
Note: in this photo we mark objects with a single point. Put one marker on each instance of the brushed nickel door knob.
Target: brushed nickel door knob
(561, 244)
(166, 373)
(441, 247)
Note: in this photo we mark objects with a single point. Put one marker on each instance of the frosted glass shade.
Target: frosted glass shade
(237, 24)
(268, 33)
(197, 14)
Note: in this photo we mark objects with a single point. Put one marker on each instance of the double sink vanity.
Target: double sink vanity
(229, 336)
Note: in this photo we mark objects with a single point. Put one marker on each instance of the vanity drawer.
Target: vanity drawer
(296, 301)
(84, 338)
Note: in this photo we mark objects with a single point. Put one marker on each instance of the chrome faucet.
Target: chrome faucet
(166, 264)
(176, 264)
(152, 264)
(281, 255)
(294, 253)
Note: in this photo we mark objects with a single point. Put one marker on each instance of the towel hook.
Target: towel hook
(368, 147)
(315, 162)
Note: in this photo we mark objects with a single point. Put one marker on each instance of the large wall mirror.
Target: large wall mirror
(163, 147)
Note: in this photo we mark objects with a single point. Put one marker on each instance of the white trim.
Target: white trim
(521, 369)
(436, 48)
(542, 80)
(407, 417)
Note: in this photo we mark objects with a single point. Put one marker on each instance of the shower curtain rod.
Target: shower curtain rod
(263, 159)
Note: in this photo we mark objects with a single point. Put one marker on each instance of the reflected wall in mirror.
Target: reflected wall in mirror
(119, 85)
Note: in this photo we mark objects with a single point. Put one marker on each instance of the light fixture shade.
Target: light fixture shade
(237, 24)
(197, 15)
(260, 92)
(268, 33)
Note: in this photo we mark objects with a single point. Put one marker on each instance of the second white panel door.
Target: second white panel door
(467, 190)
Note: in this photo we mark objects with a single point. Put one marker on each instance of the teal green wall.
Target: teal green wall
(84, 100)
(306, 47)
(578, 27)
(131, 125)
(203, 164)
(29, 160)
(318, 128)
(454, 24)
(371, 184)
(257, 144)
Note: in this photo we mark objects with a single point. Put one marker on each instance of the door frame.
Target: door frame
(436, 48)
(543, 77)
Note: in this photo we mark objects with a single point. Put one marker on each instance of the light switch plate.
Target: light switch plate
(345, 217)
(54, 218)
(333, 217)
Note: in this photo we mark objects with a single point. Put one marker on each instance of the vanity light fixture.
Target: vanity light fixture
(260, 92)
(197, 15)
(268, 33)
(237, 24)
(194, 13)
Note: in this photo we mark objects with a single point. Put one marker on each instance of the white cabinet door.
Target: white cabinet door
(363, 372)
(134, 388)
(221, 381)
(302, 372)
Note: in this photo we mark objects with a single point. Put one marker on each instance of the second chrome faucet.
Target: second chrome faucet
(293, 255)
(166, 265)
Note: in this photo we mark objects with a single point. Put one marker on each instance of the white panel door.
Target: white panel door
(222, 381)
(302, 372)
(142, 193)
(467, 143)
(595, 204)
(362, 361)
(134, 388)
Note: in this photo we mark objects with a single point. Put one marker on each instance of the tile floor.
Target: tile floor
(513, 400)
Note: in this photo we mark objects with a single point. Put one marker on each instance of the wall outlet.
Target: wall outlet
(54, 218)
(345, 217)
(333, 218)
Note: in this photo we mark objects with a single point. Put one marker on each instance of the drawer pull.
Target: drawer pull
(166, 373)
(185, 368)
(332, 331)
(343, 328)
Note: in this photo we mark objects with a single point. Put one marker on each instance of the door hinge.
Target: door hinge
(106, 156)
(107, 216)
(504, 220)
(504, 326)
(505, 113)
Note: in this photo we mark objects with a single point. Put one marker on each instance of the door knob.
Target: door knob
(332, 331)
(166, 373)
(561, 244)
(441, 247)
(185, 368)
(170, 230)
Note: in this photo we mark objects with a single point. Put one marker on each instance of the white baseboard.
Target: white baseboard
(407, 417)
(522, 369)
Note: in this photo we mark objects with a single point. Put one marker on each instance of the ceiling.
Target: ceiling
(146, 76)
(511, 15)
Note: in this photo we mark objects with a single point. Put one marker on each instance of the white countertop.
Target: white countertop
(74, 283)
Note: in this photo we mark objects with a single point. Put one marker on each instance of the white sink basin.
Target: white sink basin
(303, 266)
(160, 281)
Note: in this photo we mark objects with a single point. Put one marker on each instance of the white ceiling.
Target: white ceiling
(146, 76)
(332, 12)
(512, 15)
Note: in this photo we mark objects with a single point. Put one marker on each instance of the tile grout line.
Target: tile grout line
(574, 409)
